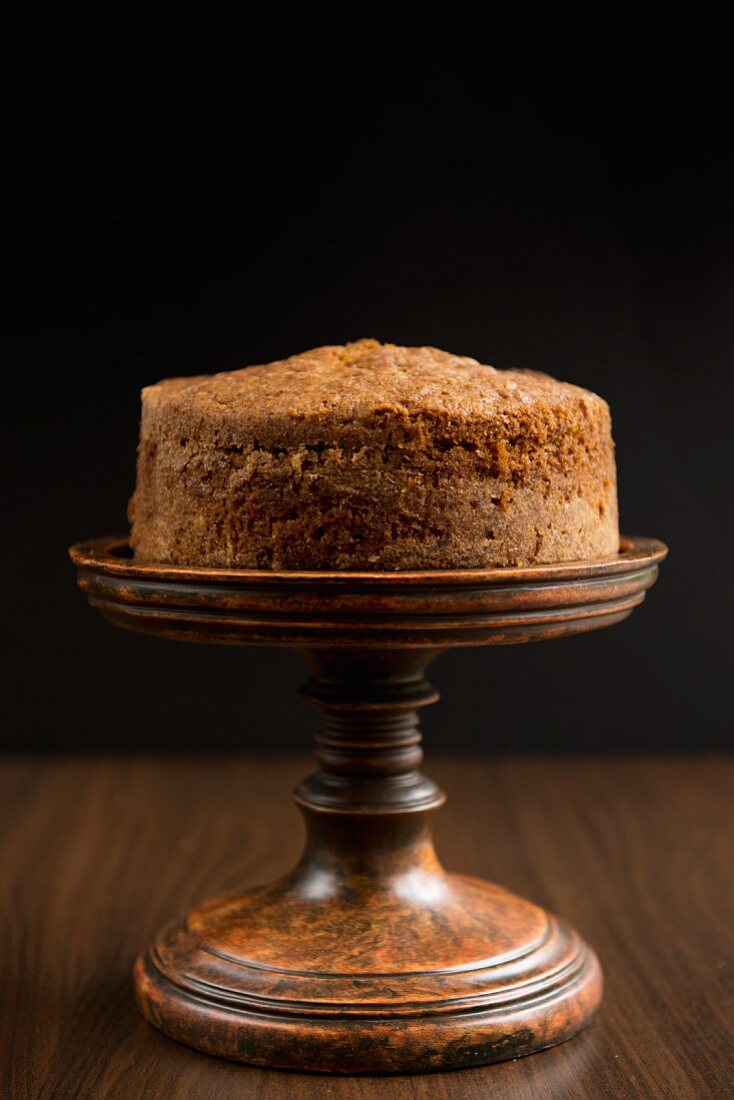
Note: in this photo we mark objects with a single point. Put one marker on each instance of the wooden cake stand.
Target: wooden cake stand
(368, 956)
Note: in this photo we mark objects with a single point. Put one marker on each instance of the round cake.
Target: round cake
(373, 457)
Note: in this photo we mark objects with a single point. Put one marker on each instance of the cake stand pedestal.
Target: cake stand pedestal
(368, 956)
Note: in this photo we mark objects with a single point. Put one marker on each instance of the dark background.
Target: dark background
(552, 197)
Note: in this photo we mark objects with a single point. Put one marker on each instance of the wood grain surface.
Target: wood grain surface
(98, 853)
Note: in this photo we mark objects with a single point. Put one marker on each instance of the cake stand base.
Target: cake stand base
(368, 957)
(223, 983)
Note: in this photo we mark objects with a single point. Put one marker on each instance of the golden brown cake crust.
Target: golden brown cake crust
(372, 456)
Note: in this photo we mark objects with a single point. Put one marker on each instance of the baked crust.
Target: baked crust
(377, 457)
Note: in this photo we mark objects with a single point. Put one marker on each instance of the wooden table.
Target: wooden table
(636, 852)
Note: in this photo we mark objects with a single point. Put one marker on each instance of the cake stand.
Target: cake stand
(368, 956)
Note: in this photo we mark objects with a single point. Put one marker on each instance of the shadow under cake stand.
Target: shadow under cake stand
(368, 956)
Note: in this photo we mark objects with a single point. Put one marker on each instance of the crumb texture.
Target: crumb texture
(372, 456)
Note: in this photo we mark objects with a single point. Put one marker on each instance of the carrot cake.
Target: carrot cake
(370, 456)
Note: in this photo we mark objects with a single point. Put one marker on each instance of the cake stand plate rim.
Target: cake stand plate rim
(104, 555)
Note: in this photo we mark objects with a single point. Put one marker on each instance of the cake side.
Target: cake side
(373, 457)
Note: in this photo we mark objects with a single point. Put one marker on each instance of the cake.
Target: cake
(370, 456)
